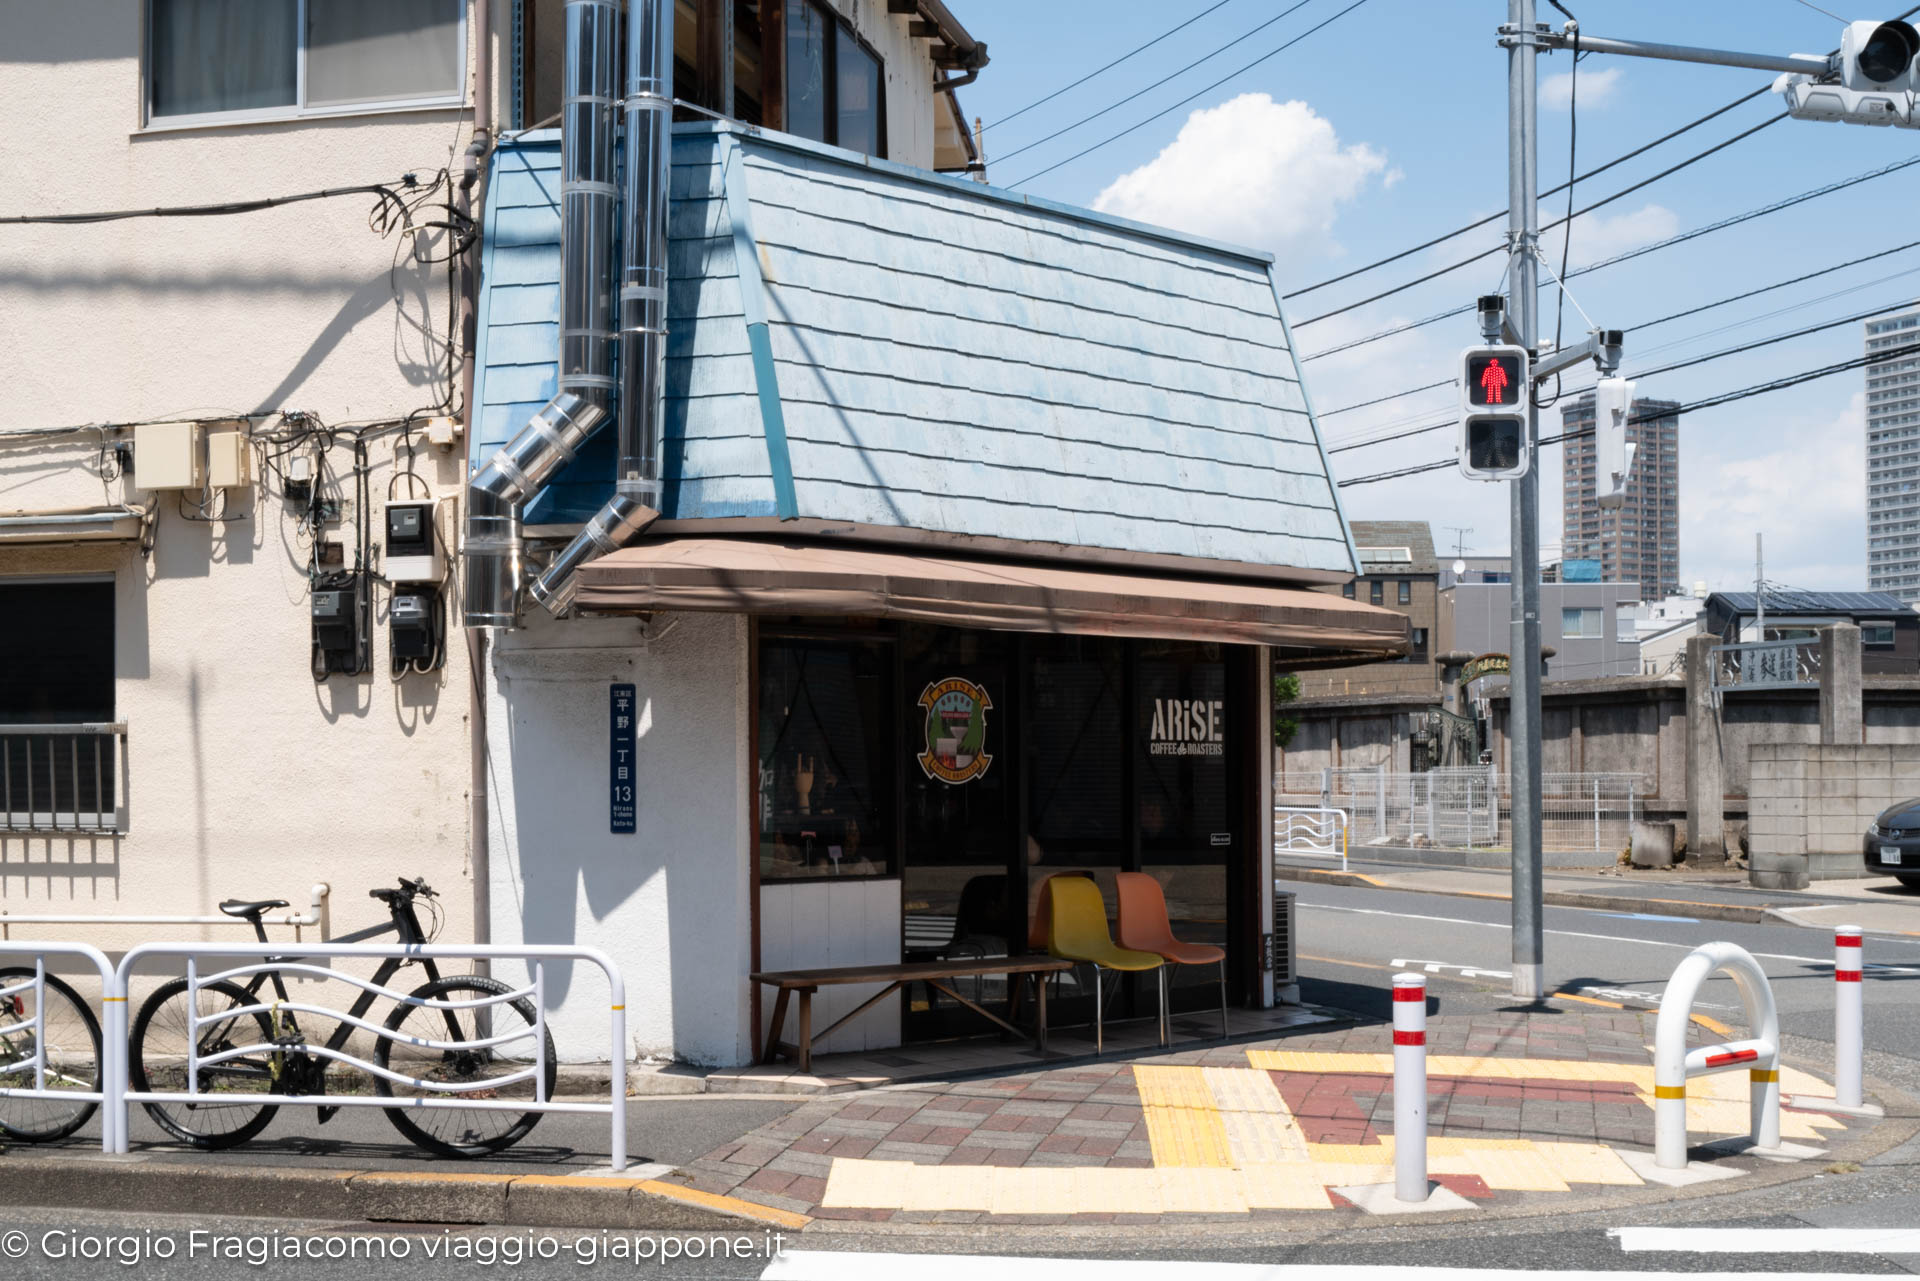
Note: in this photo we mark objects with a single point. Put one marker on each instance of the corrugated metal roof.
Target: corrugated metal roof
(944, 357)
(1792, 602)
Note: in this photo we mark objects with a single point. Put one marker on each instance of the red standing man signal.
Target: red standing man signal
(1493, 382)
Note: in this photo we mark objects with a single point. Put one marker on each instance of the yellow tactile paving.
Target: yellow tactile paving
(1284, 1187)
(1259, 1125)
(1172, 1087)
(1192, 1138)
(1587, 1163)
(1201, 1192)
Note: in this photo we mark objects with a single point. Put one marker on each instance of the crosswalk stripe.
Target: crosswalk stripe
(833, 1265)
(1769, 1240)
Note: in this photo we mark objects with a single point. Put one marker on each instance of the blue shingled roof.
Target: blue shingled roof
(855, 341)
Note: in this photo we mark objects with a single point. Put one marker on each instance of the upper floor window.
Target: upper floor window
(272, 59)
(1406, 592)
(834, 85)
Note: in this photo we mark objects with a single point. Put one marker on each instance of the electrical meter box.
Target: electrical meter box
(336, 628)
(167, 456)
(413, 543)
(411, 623)
(229, 461)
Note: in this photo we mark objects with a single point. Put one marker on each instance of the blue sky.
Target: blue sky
(1389, 127)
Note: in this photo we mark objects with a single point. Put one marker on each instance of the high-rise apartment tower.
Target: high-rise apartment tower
(1893, 458)
(1640, 542)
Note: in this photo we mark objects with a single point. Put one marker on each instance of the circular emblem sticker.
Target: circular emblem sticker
(956, 731)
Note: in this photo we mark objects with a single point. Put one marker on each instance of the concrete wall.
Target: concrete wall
(1807, 798)
(670, 902)
(245, 778)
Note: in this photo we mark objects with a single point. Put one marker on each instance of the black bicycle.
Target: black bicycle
(494, 1039)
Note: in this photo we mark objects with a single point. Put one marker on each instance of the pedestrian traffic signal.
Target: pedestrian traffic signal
(1877, 79)
(1613, 454)
(1495, 390)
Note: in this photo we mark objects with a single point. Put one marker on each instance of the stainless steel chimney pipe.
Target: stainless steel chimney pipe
(643, 303)
(579, 406)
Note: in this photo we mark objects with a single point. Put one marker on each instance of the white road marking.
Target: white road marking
(1769, 1240)
(1605, 993)
(835, 1265)
(1821, 962)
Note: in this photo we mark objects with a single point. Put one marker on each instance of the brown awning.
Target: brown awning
(739, 575)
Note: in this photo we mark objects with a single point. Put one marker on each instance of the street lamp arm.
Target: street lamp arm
(1801, 63)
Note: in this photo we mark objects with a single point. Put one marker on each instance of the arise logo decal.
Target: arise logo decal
(1188, 727)
(956, 730)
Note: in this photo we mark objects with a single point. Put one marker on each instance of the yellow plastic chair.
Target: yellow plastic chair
(1077, 931)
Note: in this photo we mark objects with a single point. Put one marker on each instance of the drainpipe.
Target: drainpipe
(472, 195)
(519, 469)
(643, 304)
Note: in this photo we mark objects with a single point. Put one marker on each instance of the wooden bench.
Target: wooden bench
(933, 973)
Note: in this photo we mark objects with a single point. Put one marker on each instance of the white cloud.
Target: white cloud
(1597, 88)
(1597, 236)
(1251, 171)
(1812, 517)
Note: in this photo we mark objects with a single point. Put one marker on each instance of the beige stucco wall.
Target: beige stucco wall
(245, 778)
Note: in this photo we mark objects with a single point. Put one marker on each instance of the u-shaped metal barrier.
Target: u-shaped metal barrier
(1673, 1063)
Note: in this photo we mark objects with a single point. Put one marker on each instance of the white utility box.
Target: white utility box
(413, 547)
(229, 460)
(167, 456)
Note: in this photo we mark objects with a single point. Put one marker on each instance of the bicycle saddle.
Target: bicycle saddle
(243, 909)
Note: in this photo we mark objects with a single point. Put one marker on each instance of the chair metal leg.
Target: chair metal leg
(1099, 1017)
(1224, 1033)
(1166, 1023)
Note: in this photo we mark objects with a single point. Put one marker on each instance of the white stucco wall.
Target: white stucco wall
(245, 777)
(669, 902)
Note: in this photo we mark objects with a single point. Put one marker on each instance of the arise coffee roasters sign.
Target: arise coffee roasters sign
(956, 730)
(1188, 727)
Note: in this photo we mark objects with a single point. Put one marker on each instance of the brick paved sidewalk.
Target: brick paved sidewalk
(1236, 1129)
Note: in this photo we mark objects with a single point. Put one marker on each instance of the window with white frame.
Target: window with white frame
(273, 59)
(1576, 623)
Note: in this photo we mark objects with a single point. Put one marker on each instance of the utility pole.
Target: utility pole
(1523, 703)
(1759, 592)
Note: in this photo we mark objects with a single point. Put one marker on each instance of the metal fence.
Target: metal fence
(1471, 808)
(61, 778)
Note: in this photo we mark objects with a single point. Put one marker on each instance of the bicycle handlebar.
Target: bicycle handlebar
(408, 889)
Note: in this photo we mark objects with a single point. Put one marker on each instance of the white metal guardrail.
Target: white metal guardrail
(1673, 1063)
(1315, 831)
(114, 1091)
(36, 1059)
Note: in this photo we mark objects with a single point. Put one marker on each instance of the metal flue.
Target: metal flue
(643, 303)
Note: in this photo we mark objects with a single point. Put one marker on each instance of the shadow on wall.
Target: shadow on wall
(63, 868)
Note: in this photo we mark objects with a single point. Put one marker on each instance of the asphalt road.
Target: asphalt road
(1350, 938)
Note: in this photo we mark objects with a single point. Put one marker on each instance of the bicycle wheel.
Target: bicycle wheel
(463, 1131)
(158, 1062)
(70, 1038)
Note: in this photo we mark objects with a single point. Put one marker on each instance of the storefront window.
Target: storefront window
(826, 757)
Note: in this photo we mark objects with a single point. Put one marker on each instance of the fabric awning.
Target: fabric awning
(740, 575)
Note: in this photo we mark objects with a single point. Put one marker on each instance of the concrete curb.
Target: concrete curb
(1738, 913)
(136, 1184)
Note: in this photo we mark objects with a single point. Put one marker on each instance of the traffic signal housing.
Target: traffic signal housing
(1878, 77)
(1613, 454)
(1495, 390)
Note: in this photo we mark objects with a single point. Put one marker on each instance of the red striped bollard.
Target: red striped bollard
(1849, 1017)
(1410, 1087)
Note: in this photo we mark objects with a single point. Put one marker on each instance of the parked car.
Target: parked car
(1892, 845)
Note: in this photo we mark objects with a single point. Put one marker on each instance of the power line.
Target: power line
(1776, 207)
(1138, 49)
(1710, 402)
(1493, 218)
(1190, 97)
(1650, 324)
(383, 191)
(1114, 106)
(1668, 172)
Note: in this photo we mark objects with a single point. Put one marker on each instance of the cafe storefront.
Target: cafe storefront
(984, 524)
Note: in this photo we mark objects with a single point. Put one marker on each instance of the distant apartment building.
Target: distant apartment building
(1400, 571)
(1893, 459)
(1640, 542)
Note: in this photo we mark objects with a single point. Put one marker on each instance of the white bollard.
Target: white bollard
(1849, 1017)
(1410, 1087)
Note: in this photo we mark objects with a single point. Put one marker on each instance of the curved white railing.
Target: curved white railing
(1673, 1063)
(1322, 832)
(113, 1001)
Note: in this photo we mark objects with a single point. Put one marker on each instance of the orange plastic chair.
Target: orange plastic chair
(1145, 927)
(1077, 931)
